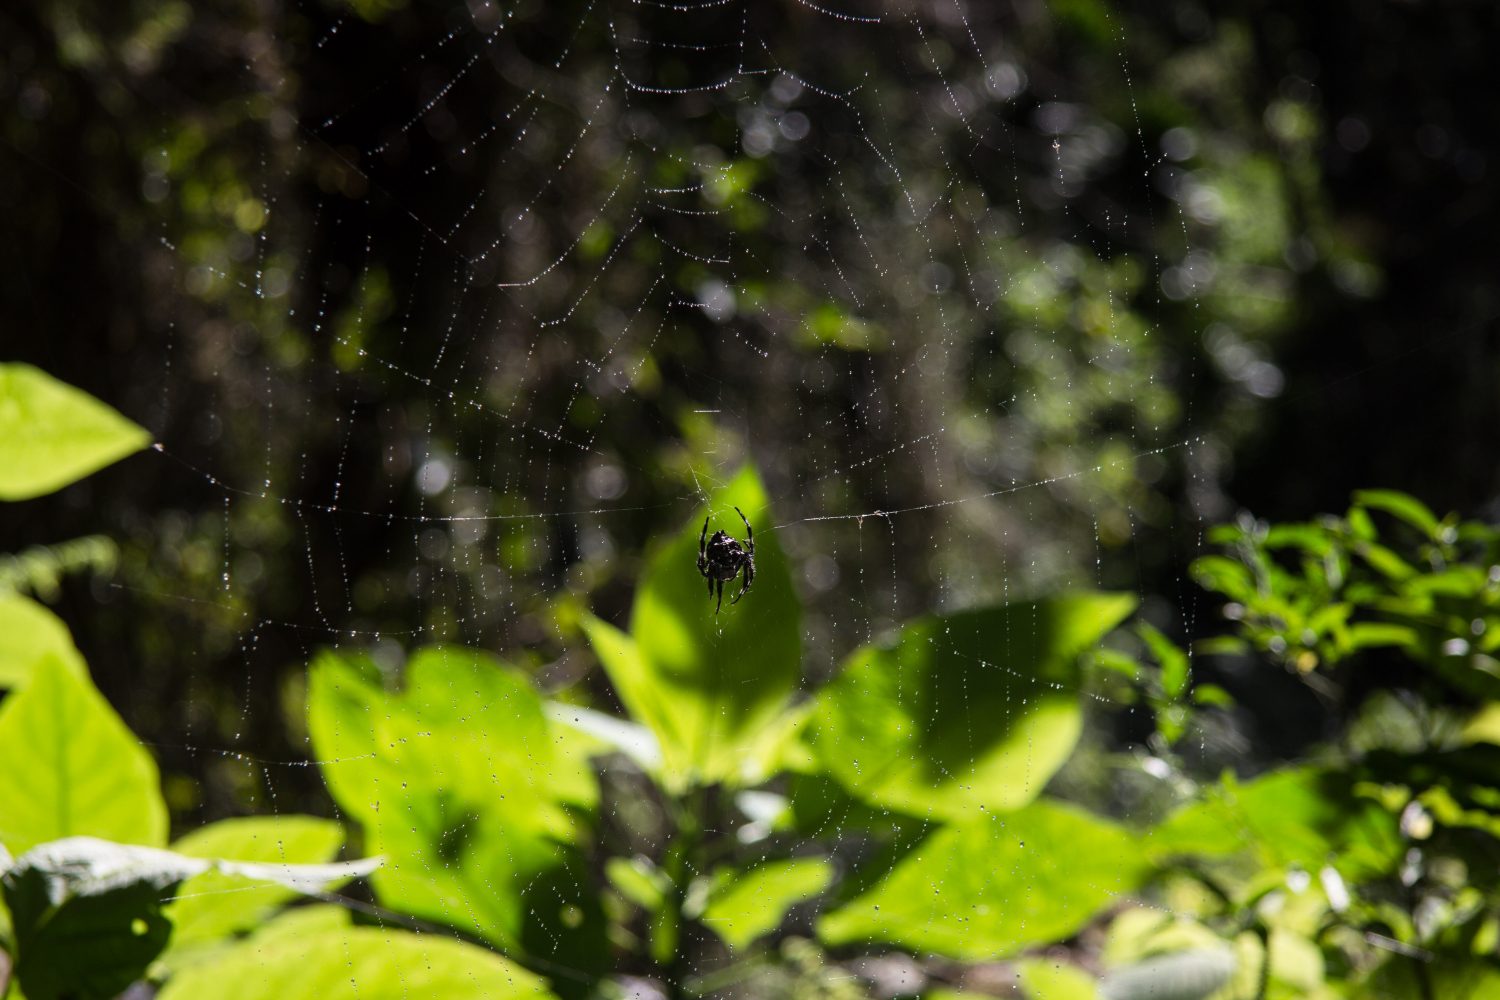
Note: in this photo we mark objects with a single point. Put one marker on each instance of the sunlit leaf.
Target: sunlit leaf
(1462, 581)
(462, 783)
(1484, 725)
(1402, 506)
(214, 905)
(639, 881)
(1225, 576)
(358, 963)
(1212, 695)
(996, 885)
(1115, 661)
(710, 686)
(961, 714)
(1050, 979)
(752, 902)
(1295, 817)
(30, 633)
(1221, 645)
(52, 434)
(72, 767)
(1386, 562)
(1311, 538)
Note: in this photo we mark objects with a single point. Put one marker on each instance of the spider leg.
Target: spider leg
(703, 551)
(710, 583)
(745, 586)
(749, 532)
(721, 597)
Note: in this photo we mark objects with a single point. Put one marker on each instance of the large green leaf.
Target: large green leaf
(85, 942)
(71, 767)
(88, 915)
(996, 885)
(750, 903)
(464, 785)
(52, 434)
(30, 633)
(966, 713)
(216, 905)
(710, 686)
(357, 964)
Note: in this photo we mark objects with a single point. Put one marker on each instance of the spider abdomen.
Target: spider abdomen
(721, 558)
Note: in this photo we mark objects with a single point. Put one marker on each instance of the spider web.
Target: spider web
(536, 281)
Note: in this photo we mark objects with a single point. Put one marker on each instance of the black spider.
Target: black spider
(721, 558)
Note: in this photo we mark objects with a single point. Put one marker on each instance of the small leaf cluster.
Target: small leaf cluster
(1312, 595)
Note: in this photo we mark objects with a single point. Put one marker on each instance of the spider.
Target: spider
(721, 558)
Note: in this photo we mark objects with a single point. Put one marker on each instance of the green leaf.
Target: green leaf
(301, 921)
(961, 714)
(1484, 725)
(82, 944)
(88, 912)
(1213, 695)
(1311, 538)
(1465, 582)
(468, 790)
(1221, 645)
(710, 686)
(1052, 979)
(1173, 661)
(214, 905)
(52, 434)
(1294, 817)
(1115, 661)
(752, 902)
(29, 633)
(1385, 561)
(73, 767)
(996, 885)
(639, 881)
(1401, 506)
(1224, 576)
(355, 962)
(1363, 635)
